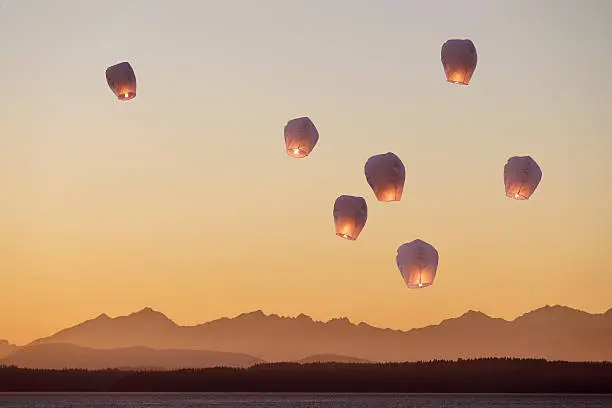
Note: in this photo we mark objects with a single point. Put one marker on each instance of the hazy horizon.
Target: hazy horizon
(146, 338)
(183, 199)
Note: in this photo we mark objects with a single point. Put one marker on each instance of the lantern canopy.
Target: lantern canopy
(301, 136)
(418, 263)
(350, 216)
(122, 81)
(459, 59)
(521, 177)
(386, 174)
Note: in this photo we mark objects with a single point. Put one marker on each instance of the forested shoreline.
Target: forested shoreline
(463, 376)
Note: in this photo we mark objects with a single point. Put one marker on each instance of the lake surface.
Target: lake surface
(303, 400)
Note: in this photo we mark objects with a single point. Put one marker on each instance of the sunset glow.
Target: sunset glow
(193, 198)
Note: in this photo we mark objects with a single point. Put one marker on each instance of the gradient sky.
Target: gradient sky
(185, 200)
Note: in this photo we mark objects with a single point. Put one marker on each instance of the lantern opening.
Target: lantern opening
(457, 77)
(346, 229)
(518, 195)
(126, 96)
(418, 285)
(297, 152)
(389, 194)
(345, 236)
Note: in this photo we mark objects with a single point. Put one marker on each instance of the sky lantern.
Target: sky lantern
(350, 216)
(122, 81)
(521, 177)
(418, 263)
(301, 136)
(386, 174)
(459, 60)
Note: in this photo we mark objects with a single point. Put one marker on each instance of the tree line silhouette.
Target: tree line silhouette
(488, 375)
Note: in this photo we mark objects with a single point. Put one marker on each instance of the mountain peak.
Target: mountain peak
(145, 311)
(555, 308)
(344, 321)
(102, 316)
(253, 314)
(147, 316)
(469, 316)
(475, 314)
(148, 312)
(547, 311)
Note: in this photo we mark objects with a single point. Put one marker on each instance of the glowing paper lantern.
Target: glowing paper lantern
(459, 60)
(418, 263)
(521, 177)
(301, 136)
(350, 216)
(122, 81)
(386, 174)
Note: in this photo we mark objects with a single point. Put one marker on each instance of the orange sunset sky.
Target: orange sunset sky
(184, 199)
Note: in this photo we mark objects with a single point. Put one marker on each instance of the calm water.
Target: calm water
(304, 401)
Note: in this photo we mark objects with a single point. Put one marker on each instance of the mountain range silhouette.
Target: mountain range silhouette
(150, 339)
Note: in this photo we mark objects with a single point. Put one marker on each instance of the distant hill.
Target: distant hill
(59, 356)
(332, 358)
(551, 332)
(6, 348)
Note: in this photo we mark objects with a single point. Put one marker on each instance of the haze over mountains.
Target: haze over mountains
(63, 355)
(149, 339)
(6, 348)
